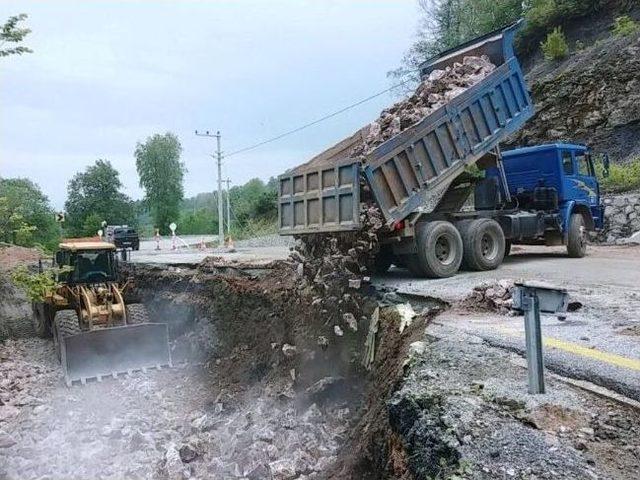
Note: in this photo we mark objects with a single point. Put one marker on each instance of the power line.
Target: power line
(319, 120)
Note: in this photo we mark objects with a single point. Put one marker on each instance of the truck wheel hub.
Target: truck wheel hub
(488, 247)
(444, 251)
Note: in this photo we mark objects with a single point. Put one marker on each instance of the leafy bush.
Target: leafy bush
(541, 14)
(37, 285)
(199, 222)
(254, 228)
(622, 177)
(555, 47)
(624, 26)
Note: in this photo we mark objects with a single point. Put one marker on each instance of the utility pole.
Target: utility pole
(227, 181)
(218, 156)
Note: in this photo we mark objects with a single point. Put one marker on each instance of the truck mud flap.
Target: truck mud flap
(112, 351)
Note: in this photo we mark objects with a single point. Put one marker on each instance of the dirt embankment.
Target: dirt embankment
(15, 308)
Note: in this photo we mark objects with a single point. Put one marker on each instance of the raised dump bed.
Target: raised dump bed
(411, 171)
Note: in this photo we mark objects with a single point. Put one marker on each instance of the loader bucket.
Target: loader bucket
(112, 351)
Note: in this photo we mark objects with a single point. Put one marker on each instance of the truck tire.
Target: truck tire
(383, 260)
(65, 324)
(41, 324)
(484, 244)
(439, 250)
(576, 236)
(137, 313)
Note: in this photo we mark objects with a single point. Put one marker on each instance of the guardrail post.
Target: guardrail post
(533, 339)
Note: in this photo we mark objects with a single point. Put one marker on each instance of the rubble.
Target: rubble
(289, 350)
(493, 296)
(21, 380)
(440, 87)
(333, 264)
(351, 321)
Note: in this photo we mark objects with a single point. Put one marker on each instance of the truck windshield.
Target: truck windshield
(583, 164)
(96, 266)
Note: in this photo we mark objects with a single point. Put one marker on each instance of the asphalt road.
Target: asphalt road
(599, 343)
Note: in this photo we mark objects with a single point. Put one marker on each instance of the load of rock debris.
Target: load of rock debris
(332, 260)
(332, 264)
(435, 91)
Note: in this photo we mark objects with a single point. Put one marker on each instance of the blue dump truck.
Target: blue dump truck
(422, 179)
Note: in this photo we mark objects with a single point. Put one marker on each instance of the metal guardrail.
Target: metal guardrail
(533, 299)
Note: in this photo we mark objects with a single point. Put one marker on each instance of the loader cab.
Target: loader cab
(93, 262)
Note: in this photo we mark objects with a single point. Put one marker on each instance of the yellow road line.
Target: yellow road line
(593, 353)
(611, 358)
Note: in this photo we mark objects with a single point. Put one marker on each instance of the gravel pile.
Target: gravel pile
(435, 91)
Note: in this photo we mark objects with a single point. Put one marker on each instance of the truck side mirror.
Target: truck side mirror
(605, 164)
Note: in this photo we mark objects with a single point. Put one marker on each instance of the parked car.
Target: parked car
(123, 236)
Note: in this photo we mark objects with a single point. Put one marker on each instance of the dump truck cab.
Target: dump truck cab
(557, 178)
(95, 332)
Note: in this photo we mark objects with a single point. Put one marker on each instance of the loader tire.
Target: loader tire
(65, 325)
(484, 244)
(439, 250)
(41, 324)
(577, 236)
(137, 313)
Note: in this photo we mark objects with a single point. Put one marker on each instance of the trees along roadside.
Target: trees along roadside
(161, 175)
(94, 196)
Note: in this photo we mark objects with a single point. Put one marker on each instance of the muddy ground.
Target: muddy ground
(264, 387)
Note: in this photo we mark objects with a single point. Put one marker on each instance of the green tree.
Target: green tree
(12, 34)
(555, 46)
(25, 215)
(447, 23)
(254, 200)
(94, 196)
(161, 175)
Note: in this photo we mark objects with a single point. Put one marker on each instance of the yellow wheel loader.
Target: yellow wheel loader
(94, 332)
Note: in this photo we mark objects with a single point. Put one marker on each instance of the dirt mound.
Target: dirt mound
(11, 256)
(15, 308)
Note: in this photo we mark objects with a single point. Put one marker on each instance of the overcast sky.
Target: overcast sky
(105, 75)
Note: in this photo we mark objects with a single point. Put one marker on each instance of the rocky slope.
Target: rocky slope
(593, 96)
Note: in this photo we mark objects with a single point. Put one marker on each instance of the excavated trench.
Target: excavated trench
(291, 398)
(269, 383)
